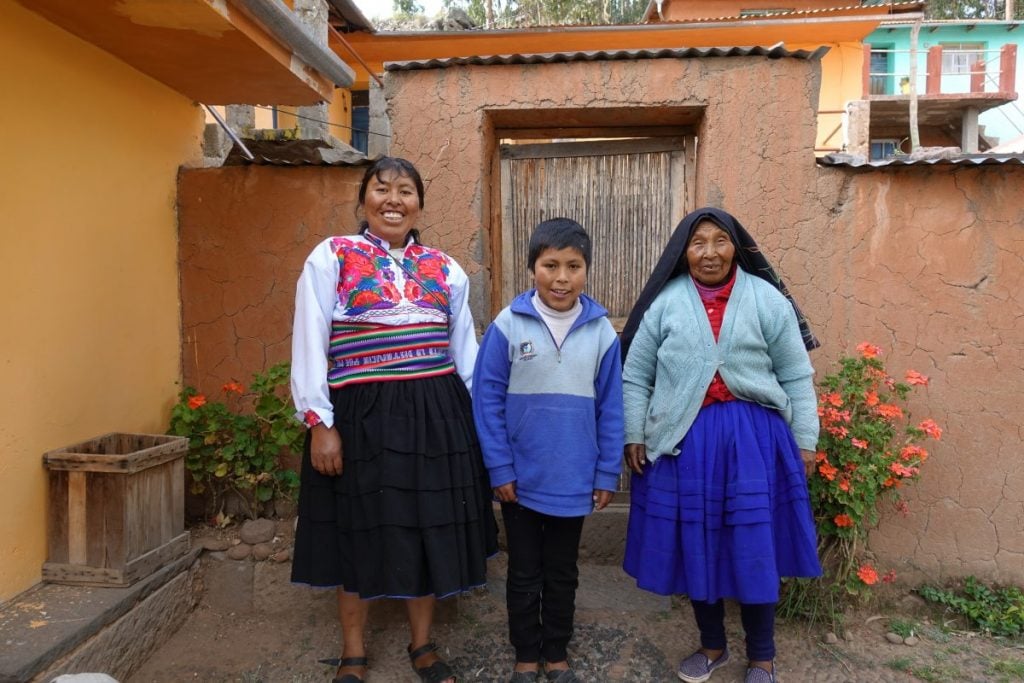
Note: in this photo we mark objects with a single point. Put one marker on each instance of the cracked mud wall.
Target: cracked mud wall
(924, 261)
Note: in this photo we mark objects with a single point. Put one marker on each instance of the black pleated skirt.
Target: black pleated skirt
(411, 513)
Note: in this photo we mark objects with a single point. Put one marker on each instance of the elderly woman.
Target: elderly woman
(720, 411)
(394, 499)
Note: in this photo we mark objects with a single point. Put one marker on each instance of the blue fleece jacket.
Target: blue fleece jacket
(549, 418)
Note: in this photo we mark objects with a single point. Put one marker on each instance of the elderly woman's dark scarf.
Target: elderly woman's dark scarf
(673, 263)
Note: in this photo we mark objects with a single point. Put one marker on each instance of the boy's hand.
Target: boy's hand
(506, 493)
(602, 498)
(636, 457)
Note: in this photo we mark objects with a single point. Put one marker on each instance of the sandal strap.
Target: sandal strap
(345, 661)
(437, 672)
(420, 651)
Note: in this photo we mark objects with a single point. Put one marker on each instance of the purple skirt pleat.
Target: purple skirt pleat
(729, 516)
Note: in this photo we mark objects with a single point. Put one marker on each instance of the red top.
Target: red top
(714, 305)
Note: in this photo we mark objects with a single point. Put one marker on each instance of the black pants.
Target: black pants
(542, 581)
(758, 624)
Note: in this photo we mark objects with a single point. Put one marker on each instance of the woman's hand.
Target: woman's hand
(602, 498)
(636, 457)
(325, 451)
(506, 493)
(809, 460)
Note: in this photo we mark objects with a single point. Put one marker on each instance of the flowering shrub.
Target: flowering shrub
(235, 444)
(867, 450)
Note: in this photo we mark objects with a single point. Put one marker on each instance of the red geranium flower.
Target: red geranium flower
(889, 410)
(196, 401)
(871, 398)
(931, 429)
(915, 377)
(868, 350)
(826, 470)
(859, 443)
(843, 520)
(867, 574)
(233, 388)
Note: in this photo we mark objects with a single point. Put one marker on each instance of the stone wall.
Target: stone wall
(923, 261)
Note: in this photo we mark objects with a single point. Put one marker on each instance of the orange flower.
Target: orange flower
(834, 399)
(931, 429)
(890, 482)
(844, 484)
(196, 401)
(233, 387)
(871, 398)
(902, 470)
(859, 443)
(868, 350)
(910, 452)
(820, 456)
(915, 377)
(843, 520)
(867, 574)
(839, 432)
(826, 470)
(889, 410)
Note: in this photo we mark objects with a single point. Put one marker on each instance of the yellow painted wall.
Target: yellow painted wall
(88, 245)
(841, 81)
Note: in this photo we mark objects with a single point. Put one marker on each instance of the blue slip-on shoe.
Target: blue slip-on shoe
(697, 668)
(756, 674)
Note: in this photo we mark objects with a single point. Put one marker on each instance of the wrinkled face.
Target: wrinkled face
(391, 206)
(560, 276)
(709, 254)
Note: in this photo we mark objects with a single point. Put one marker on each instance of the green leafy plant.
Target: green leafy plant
(237, 444)
(999, 611)
(867, 450)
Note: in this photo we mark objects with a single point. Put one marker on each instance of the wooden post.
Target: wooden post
(915, 135)
(1008, 67)
(866, 79)
(933, 77)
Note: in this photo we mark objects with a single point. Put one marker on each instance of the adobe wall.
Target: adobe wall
(923, 261)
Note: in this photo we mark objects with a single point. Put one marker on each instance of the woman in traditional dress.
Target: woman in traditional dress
(394, 499)
(721, 428)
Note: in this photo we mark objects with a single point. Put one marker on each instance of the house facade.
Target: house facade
(960, 65)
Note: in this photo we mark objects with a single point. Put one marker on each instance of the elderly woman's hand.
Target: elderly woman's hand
(506, 493)
(636, 457)
(325, 451)
(809, 460)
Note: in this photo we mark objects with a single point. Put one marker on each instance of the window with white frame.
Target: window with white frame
(957, 58)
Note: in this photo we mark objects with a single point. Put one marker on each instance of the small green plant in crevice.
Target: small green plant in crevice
(236, 444)
(994, 610)
(904, 629)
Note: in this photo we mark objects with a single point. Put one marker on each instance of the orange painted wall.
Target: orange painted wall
(89, 243)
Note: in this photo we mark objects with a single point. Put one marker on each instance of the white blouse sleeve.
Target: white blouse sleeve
(315, 299)
(461, 330)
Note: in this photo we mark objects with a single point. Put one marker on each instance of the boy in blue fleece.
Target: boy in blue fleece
(547, 402)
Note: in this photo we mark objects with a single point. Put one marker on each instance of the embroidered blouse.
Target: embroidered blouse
(351, 282)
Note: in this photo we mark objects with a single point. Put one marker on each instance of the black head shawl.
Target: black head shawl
(673, 263)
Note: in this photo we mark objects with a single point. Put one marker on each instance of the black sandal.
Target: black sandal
(346, 661)
(438, 672)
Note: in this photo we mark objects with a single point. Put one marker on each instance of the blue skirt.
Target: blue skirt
(729, 516)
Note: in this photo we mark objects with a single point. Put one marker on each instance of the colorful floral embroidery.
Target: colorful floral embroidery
(311, 418)
(368, 277)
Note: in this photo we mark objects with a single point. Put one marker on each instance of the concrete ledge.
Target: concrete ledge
(52, 629)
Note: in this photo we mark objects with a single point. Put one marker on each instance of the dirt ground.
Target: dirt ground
(252, 625)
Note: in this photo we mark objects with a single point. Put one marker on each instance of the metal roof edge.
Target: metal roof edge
(776, 51)
(851, 161)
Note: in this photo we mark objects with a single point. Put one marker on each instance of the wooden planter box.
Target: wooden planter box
(117, 508)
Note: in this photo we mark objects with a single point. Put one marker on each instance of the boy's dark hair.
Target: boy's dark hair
(399, 166)
(558, 233)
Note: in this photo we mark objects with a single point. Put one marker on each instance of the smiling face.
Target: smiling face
(391, 206)
(710, 254)
(560, 276)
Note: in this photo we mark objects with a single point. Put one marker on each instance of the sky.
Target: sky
(384, 8)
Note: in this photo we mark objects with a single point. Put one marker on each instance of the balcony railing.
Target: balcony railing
(942, 71)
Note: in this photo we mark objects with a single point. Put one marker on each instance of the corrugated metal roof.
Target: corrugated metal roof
(851, 161)
(776, 51)
(294, 153)
(885, 9)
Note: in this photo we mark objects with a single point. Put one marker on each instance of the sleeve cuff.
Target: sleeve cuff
(502, 475)
(606, 482)
(312, 418)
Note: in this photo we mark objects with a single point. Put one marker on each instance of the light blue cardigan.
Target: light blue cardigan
(674, 356)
